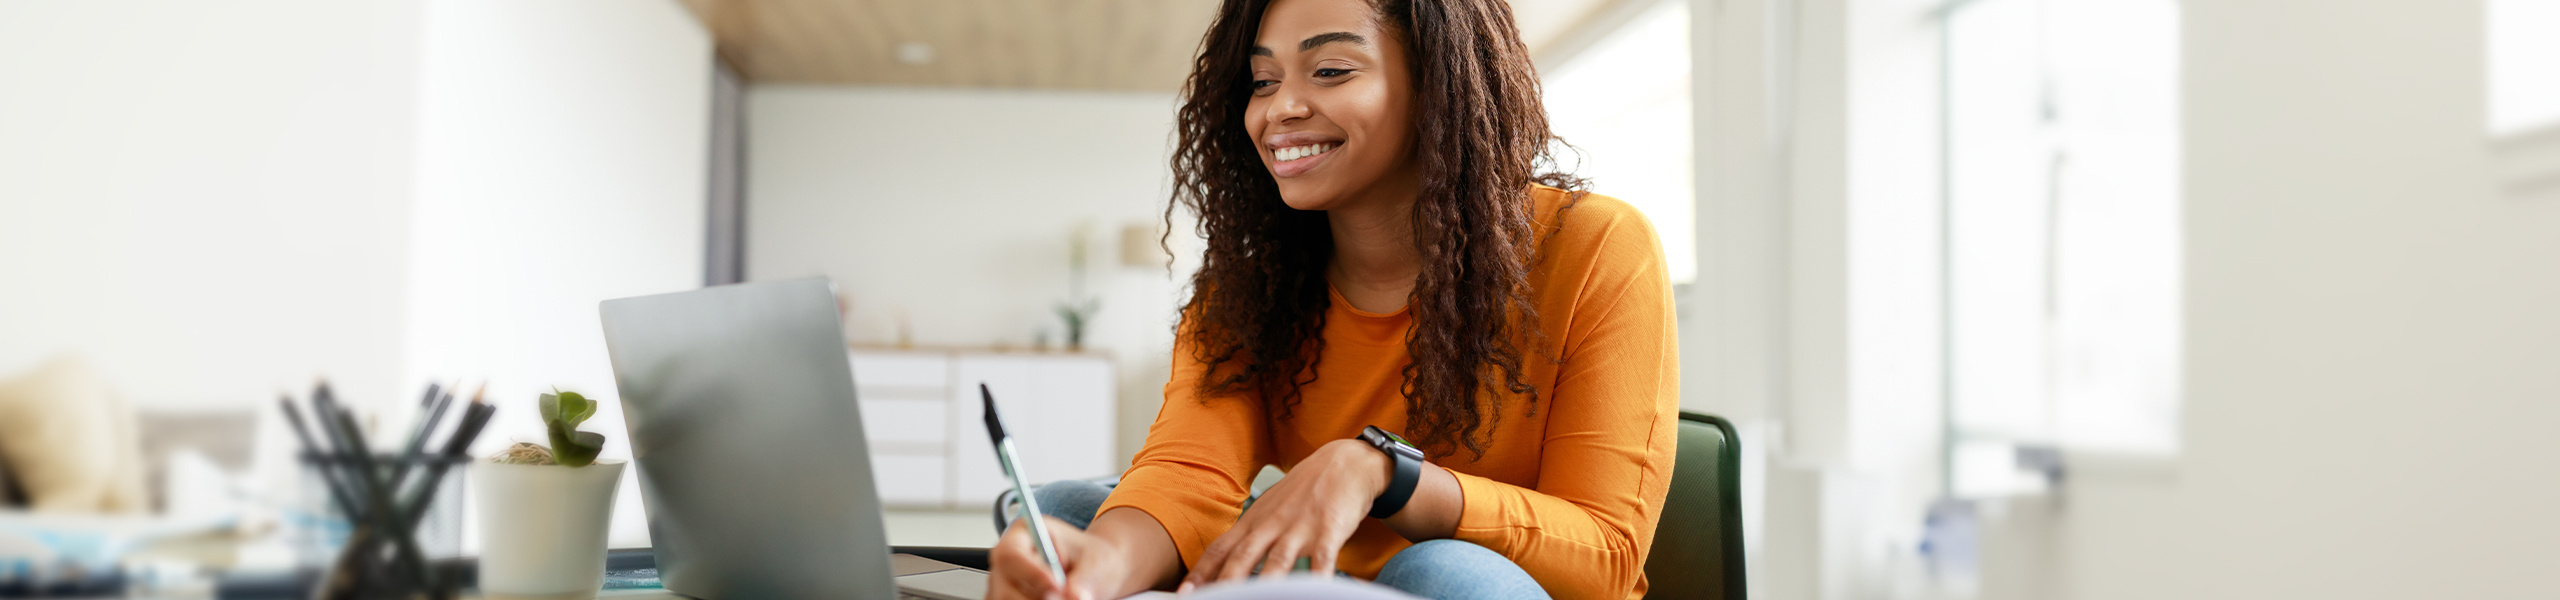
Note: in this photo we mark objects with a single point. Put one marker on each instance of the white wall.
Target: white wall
(213, 201)
(562, 156)
(952, 210)
(208, 201)
(2372, 330)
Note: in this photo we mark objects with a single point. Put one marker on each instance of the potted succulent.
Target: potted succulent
(544, 511)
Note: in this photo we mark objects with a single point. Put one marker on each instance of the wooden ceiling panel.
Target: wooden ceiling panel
(1052, 44)
(1134, 45)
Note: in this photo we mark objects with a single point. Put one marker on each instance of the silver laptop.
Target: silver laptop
(749, 443)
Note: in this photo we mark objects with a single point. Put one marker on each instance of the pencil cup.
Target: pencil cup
(317, 529)
(543, 527)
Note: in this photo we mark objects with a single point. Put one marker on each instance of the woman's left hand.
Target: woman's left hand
(1309, 514)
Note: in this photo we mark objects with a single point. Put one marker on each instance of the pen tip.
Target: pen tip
(479, 396)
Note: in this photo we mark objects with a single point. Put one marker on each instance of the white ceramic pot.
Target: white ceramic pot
(542, 528)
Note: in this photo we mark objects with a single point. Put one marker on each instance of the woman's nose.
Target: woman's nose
(1286, 106)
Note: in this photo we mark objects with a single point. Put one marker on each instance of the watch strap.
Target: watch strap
(1400, 486)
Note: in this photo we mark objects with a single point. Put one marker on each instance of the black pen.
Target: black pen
(1013, 469)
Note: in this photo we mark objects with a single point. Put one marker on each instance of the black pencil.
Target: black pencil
(456, 448)
(320, 458)
(378, 503)
(335, 461)
(435, 406)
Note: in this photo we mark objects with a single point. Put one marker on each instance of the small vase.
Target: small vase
(543, 528)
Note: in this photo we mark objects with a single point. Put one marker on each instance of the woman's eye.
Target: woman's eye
(1259, 85)
(1332, 72)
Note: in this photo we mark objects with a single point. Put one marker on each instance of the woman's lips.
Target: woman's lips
(1304, 158)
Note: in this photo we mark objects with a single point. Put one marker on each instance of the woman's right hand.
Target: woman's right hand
(1096, 568)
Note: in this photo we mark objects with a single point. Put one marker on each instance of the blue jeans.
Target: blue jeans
(1436, 569)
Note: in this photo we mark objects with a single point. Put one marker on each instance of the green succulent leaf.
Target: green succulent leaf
(575, 408)
(572, 448)
(561, 414)
(579, 449)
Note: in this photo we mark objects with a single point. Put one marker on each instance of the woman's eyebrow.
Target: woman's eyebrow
(1328, 38)
(1319, 40)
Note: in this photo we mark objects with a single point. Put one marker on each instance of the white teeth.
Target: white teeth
(1297, 152)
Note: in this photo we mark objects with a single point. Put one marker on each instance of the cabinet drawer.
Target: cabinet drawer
(911, 480)
(900, 370)
(905, 422)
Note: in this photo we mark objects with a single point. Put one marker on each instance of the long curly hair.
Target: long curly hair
(1257, 306)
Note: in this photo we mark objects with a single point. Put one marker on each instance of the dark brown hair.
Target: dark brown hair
(1258, 302)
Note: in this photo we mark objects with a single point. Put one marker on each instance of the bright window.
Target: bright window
(2524, 65)
(1625, 102)
(2062, 229)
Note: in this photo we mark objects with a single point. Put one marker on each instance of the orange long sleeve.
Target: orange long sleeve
(1569, 488)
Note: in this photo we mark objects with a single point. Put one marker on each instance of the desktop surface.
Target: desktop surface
(936, 580)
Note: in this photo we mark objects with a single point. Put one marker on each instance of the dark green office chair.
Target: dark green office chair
(1697, 547)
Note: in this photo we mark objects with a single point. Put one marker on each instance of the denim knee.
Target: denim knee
(1072, 500)
(1447, 569)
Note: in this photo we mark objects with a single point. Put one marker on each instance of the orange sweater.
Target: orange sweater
(1570, 493)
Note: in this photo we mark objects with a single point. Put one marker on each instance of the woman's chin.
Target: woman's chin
(1307, 200)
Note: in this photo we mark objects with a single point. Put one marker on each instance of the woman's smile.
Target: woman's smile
(1297, 160)
(1293, 154)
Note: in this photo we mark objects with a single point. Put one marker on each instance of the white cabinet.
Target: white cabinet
(920, 415)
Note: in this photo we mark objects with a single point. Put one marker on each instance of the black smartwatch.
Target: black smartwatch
(1407, 468)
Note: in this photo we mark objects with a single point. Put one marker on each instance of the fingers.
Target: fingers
(1233, 555)
(1073, 554)
(1283, 558)
(1016, 570)
(1323, 566)
(1241, 561)
(1215, 556)
(1276, 557)
(1059, 531)
(1282, 555)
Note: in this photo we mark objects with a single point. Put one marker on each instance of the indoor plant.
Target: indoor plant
(544, 512)
(1078, 309)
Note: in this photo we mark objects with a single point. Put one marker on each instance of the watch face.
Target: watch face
(1393, 444)
(1390, 442)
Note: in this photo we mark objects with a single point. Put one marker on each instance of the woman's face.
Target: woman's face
(1331, 109)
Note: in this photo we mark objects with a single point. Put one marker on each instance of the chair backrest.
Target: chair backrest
(1697, 547)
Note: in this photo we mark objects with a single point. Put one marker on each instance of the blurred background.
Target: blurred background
(2066, 299)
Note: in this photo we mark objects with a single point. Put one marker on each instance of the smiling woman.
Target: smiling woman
(1386, 260)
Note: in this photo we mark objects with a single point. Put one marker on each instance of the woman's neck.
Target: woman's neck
(1374, 258)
